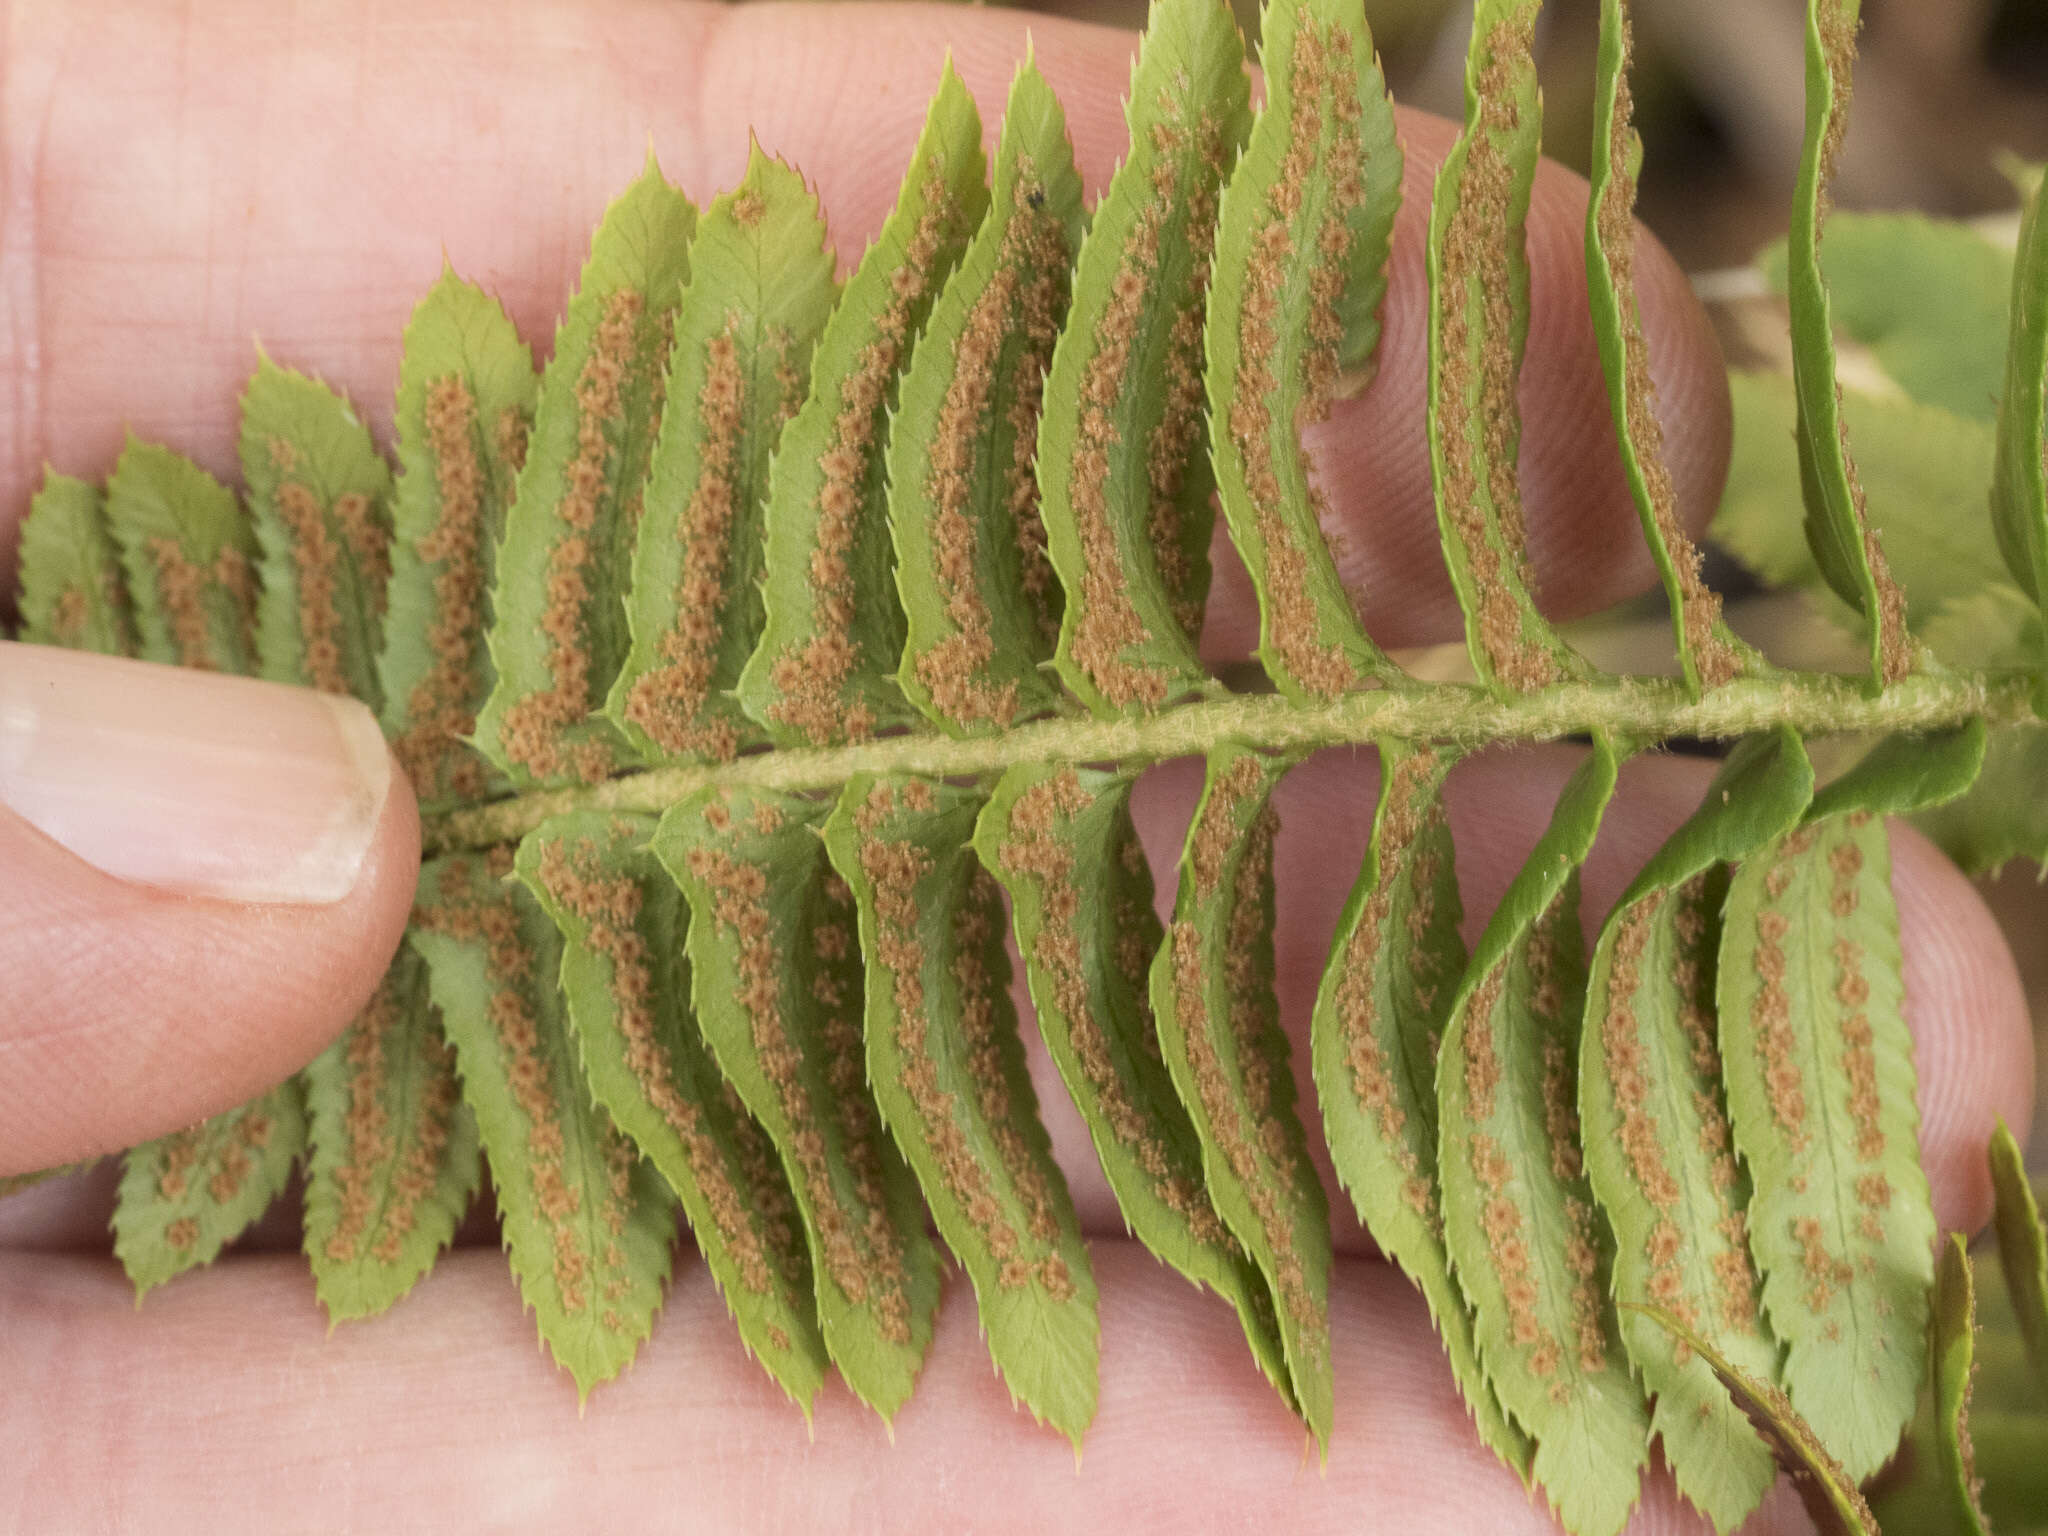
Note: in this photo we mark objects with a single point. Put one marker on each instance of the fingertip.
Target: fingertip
(1971, 1028)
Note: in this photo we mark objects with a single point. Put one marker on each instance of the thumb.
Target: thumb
(201, 880)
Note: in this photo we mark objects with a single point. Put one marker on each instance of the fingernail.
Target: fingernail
(191, 781)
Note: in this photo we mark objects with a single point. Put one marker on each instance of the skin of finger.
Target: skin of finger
(178, 180)
(442, 1415)
(151, 1011)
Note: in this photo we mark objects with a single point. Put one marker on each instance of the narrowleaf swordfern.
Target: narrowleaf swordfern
(756, 656)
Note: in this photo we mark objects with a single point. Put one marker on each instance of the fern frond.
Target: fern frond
(752, 660)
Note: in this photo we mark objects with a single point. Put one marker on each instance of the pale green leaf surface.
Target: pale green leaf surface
(1383, 1004)
(776, 981)
(1526, 1243)
(759, 291)
(2022, 1247)
(1220, 1034)
(978, 592)
(1478, 323)
(1062, 843)
(466, 389)
(1952, 1368)
(1927, 297)
(2003, 815)
(1820, 1086)
(1310, 207)
(825, 668)
(190, 557)
(1831, 1496)
(186, 1196)
(1845, 548)
(558, 627)
(1708, 653)
(319, 494)
(1925, 470)
(394, 1158)
(588, 1225)
(627, 984)
(2019, 488)
(1124, 481)
(1655, 1131)
(72, 591)
(948, 1071)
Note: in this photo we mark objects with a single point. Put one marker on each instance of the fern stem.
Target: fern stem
(1639, 708)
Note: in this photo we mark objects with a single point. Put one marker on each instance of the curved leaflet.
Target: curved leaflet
(1219, 1031)
(466, 389)
(948, 1070)
(978, 593)
(1124, 482)
(1837, 524)
(394, 1159)
(775, 973)
(759, 291)
(824, 671)
(1478, 322)
(1819, 1074)
(587, 1224)
(1062, 843)
(558, 625)
(627, 987)
(1382, 1007)
(1311, 205)
(1525, 1241)
(1655, 1131)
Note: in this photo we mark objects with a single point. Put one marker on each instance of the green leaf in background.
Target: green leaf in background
(1311, 206)
(72, 591)
(1384, 1003)
(1124, 480)
(825, 669)
(2019, 491)
(1526, 1243)
(1219, 1031)
(948, 1070)
(628, 991)
(1928, 297)
(394, 1149)
(1831, 1496)
(1924, 467)
(2022, 1246)
(1062, 843)
(978, 590)
(185, 1196)
(1478, 323)
(1846, 548)
(319, 495)
(558, 629)
(587, 1224)
(466, 392)
(1820, 1085)
(775, 975)
(759, 291)
(2003, 815)
(190, 557)
(1952, 1369)
(1708, 653)
(1655, 1130)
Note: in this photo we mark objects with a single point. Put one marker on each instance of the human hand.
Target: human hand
(174, 184)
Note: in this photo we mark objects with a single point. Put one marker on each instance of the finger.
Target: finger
(442, 1415)
(308, 194)
(201, 879)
